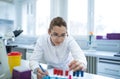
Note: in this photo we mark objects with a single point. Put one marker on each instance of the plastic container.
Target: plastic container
(14, 59)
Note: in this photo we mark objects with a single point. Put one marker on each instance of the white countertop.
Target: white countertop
(98, 53)
(106, 54)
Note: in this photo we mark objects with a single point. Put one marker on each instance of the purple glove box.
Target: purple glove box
(113, 36)
(26, 74)
(99, 37)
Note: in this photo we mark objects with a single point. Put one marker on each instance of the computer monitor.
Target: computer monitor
(4, 67)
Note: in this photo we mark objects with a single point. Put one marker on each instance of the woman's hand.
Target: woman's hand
(76, 65)
(41, 74)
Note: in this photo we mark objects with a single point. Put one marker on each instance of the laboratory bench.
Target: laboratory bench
(85, 76)
(99, 62)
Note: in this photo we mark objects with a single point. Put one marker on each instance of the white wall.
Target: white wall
(58, 10)
(7, 11)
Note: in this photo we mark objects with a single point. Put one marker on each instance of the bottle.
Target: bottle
(90, 38)
(92, 44)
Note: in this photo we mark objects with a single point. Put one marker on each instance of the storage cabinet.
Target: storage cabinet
(109, 67)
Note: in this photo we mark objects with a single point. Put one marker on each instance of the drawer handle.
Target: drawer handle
(111, 70)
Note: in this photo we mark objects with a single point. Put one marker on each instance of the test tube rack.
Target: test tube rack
(63, 74)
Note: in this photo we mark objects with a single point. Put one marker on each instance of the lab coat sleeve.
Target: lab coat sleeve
(77, 53)
(37, 56)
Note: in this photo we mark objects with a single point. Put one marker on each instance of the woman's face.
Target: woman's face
(57, 35)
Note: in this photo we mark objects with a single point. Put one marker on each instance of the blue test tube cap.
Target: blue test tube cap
(74, 73)
(82, 73)
(77, 73)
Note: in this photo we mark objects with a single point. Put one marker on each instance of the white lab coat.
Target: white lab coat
(56, 56)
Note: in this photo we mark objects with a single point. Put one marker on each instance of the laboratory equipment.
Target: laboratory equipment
(4, 68)
(17, 32)
(63, 74)
(113, 36)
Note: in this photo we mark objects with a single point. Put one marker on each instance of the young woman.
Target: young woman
(57, 49)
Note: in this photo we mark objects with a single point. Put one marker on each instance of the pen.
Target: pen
(41, 68)
(45, 77)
